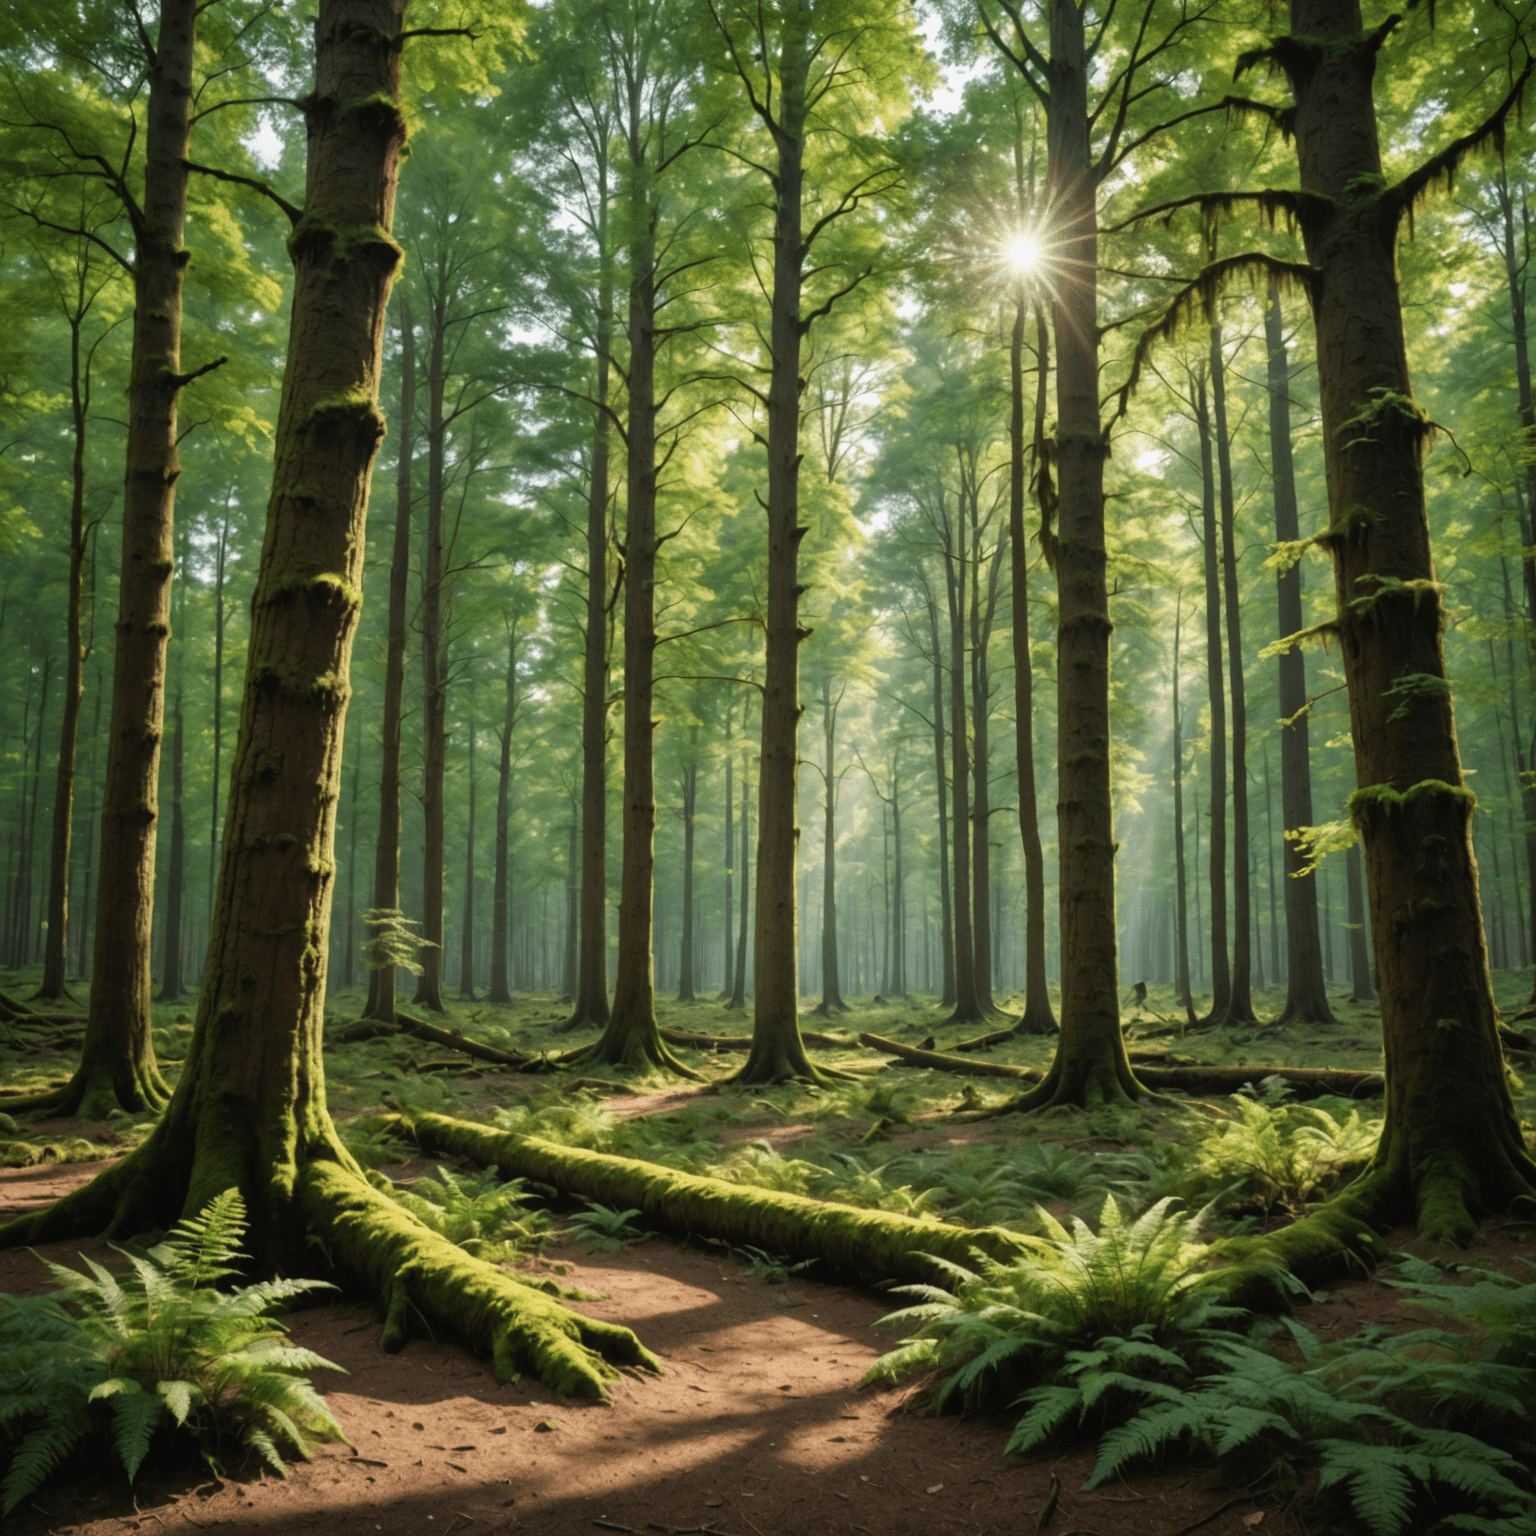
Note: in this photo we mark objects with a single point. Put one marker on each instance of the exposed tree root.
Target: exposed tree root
(408, 1267)
(870, 1245)
(1306, 1082)
(634, 1044)
(778, 1056)
(98, 1088)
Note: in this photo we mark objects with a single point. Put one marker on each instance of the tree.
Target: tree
(249, 1108)
(1306, 995)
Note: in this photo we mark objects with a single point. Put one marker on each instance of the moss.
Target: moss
(1417, 588)
(871, 1245)
(1384, 406)
(353, 406)
(1384, 797)
(415, 1270)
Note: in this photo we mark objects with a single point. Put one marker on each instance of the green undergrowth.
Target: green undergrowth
(168, 1343)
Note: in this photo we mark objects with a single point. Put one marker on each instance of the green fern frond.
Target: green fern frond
(135, 1417)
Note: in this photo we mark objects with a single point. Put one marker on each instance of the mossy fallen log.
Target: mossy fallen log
(1305, 1082)
(871, 1246)
(451, 1039)
(702, 1042)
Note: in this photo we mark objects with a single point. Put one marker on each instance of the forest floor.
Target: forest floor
(759, 1426)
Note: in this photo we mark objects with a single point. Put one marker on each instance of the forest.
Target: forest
(691, 677)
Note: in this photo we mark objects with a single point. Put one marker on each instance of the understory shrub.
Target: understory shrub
(484, 1216)
(162, 1343)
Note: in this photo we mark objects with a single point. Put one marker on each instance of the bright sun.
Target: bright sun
(1023, 253)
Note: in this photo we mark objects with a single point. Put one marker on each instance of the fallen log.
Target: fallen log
(452, 1039)
(869, 1245)
(1306, 1082)
(701, 1042)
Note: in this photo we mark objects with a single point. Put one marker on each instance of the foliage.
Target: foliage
(1009, 1323)
(1277, 1157)
(483, 1215)
(163, 1342)
(390, 940)
(601, 1226)
(772, 1268)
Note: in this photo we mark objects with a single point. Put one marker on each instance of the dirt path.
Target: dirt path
(756, 1429)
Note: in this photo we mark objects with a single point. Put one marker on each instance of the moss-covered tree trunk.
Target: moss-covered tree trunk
(501, 990)
(1039, 1018)
(1451, 1145)
(249, 1110)
(1306, 993)
(386, 858)
(685, 964)
(117, 1066)
(171, 984)
(1090, 1065)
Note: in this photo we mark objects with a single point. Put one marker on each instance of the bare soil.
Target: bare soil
(758, 1428)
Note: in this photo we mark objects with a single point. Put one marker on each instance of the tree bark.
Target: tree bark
(1451, 1144)
(591, 1006)
(467, 919)
(1240, 1006)
(1362, 989)
(685, 992)
(434, 667)
(220, 565)
(1306, 992)
(941, 782)
(1216, 690)
(831, 978)
(386, 860)
(56, 947)
(728, 958)
(982, 617)
(1038, 1018)
(630, 1037)
(117, 1066)
(1091, 1065)
(1181, 971)
(501, 990)
(249, 1110)
(739, 985)
(967, 1008)
(778, 1053)
(171, 985)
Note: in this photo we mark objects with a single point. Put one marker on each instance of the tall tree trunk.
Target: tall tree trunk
(386, 858)
(728, 984)
(685, 948)
(88, 862)
(631, 1037)
(1451, 1142)
(591, 1005)
(434, 667)
(831, 978)
(219, 569)
(967, 1008)
(117, 1067)
(1269, 855)
(1240, 1006)
(1038, 1017)
(778, 1053)
(467, 921)
(171, 985)
(739, 983)
(1306, 992)
(1091, 1064)
(501, 990)
(941, 782)
(1181, 958)
(982, 616)
(572, 903)
(898, 901)
(1216, 690)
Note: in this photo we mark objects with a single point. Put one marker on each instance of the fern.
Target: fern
(483, 1215)
(161, 1343)
(1131, 1284)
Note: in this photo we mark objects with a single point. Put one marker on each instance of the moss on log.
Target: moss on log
(868, 1245)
